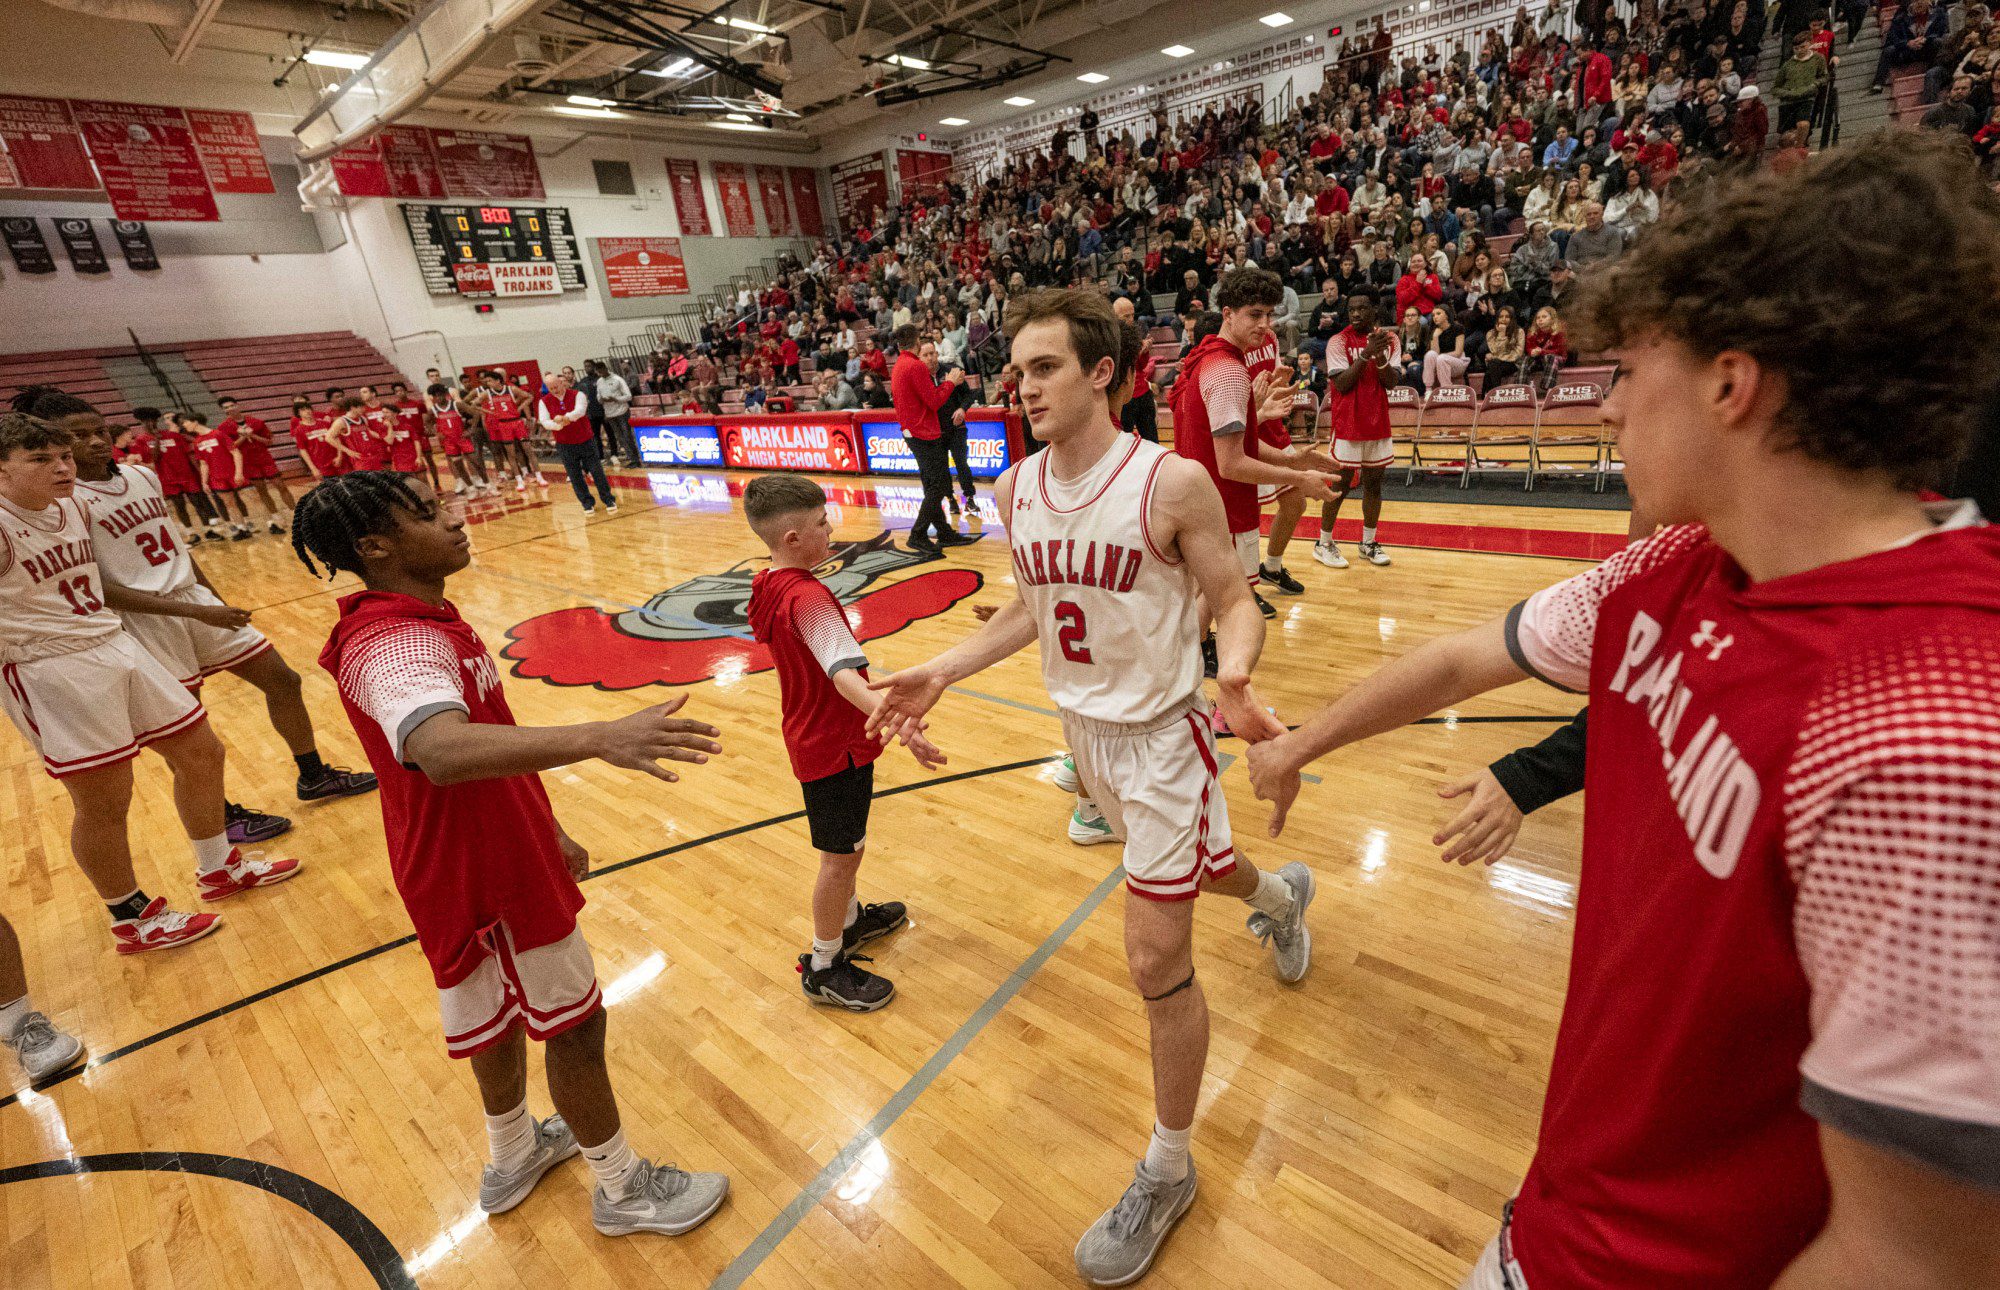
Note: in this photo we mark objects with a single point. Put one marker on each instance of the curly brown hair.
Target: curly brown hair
(1851, 277)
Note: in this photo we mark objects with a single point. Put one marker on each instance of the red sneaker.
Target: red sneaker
(160, 928)
(241, 873)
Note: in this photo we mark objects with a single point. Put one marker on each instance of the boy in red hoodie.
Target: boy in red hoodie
(487, 875)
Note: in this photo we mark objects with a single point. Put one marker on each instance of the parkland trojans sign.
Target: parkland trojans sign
(701, 628)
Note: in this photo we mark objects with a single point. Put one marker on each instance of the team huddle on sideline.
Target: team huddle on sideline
(1779, 1060)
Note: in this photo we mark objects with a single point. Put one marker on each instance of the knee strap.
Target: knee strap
(1155, 998)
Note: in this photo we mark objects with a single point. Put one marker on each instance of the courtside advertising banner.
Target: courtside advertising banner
(889, 453)
(791, 443)
(664, 442)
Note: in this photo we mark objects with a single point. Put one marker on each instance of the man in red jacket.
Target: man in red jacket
(1779, 1058)
(917, 398)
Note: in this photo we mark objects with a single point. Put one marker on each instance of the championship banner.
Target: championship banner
(358, 169)
(690, 204)
(922, 173)
(477, 163)
(86, 254)
(410, 162)
(777, 213)
(791, 443)
(230, 152)
(732, 181)
(642, 266)
(805, 201)
(44, 149)
(860, 187)
(27, 245)
(147, 159)
(136, 244)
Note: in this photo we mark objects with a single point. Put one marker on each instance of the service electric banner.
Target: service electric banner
(147, 158)
(673, 443)
(805, 201)
(230, 152)
(44, 149)
(732, 181)
(777, 214)
(642, 266)
(889, 452)
(690, 203)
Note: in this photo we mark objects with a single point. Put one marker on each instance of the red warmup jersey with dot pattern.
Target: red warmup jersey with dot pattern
(1791, 866)
(802, 623)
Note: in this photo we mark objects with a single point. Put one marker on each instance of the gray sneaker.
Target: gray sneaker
(1120, 1246)
(664, 1199)
(554, 1143)
(1290, 941)
(42, 1049)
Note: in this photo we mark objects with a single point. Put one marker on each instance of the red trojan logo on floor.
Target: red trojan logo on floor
(700, 629)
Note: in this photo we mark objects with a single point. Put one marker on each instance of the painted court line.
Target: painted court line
(746, 1263)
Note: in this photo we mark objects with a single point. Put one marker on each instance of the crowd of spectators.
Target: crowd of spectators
(1464, 189)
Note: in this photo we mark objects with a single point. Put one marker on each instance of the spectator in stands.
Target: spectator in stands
(1596, 242)
(1506, 349)
(1445, 361)
(1634, 207)
(1913, 37)
(1954, 112)
(1799, 82)
(1413, 341)
(1749, 127)
(1547, 347)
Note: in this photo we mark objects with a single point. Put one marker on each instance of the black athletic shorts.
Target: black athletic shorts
(837, 809)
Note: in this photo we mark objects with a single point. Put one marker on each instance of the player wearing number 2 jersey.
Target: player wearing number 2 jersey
(1112, 539)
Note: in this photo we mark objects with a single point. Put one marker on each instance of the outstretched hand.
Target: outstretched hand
(927, 753)
(650, 735)
(1488, 825)
(1248, 719)
(1274, 778)
(906, 696)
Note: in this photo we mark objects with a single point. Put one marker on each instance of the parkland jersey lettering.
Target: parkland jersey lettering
(51, 594)
(137, 545)
(1114, 615)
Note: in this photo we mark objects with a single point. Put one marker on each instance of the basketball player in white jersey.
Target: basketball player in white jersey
(88, 697)
(1113, 538)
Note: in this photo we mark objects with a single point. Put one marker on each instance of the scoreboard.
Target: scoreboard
(494, 250)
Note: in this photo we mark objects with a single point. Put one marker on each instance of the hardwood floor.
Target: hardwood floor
(1359, 1130)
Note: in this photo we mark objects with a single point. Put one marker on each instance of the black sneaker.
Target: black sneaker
(952, 503)
(1281, 579)
(1264, 606)
(335, 782)
(1210, 663)
(247, 826)
(924, 546)
(873, 923)
(949, 538)
(844, 985)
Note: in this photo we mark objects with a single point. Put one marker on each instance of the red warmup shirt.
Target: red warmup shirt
(141, 447)
(1212, 393)
(793, 615)
(1788, 910)
(368, 438)
(465, 857)
(306, 431)
(917, 397)
(553, 407)
(176, 463)
(253, 439)
(1363, 412)
(217, 451)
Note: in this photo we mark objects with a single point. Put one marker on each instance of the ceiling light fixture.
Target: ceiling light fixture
(1177, 51)
(679, 67)
(953, 120)
(737, 125)
(603, 114)
(585, 100)
(1019, 101)
(744, 24)
(334, 58)
(1276, 20)
(738, 116)
(905, 60)
(1093, 78)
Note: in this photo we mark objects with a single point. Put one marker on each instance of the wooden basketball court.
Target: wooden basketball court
(273, 1107)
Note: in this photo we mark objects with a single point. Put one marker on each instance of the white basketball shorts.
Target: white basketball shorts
(96, 707)
(548, 989)
(1248, 551)
(1157, 783)
(1364, 452)
(193, 650)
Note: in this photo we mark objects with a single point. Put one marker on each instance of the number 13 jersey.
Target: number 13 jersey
(1116, 617)
(51, 597)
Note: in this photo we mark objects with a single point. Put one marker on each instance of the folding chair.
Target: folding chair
(1507, 418)
(1572, 420)
(1405, 417)
(1445, 427)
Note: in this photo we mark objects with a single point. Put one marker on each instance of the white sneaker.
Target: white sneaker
(42, 1049)
(1328, 554)
(664, 1199)
(1088, 828)
(1066, 777)
(554, 1143)
(1287, 935)
(1373, 553)
(521, 484)
(1121, 1246)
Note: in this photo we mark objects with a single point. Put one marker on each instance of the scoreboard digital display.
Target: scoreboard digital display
(458, 245)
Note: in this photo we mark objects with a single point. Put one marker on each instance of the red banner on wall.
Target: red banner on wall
(44, 149)
(410, 162)
(777, 212)
(684, 177)
(230, 152)
(643, 266)
(805, 201)
(922, 173)
(859, 186)
(358, 169)
(476, 163)
(732, 181)
(147, 159)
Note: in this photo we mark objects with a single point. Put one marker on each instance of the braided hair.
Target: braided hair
(332, 518)
(47, 402)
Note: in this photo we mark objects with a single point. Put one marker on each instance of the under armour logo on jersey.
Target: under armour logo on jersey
(1023, 503)
(1707, 639)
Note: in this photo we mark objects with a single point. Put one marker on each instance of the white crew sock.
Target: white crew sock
(1167, 1153)
(614, 1164)
(824, 951)
(1273, 895)
(1368, 533)
(853, 911)
(510, 1138)
(1273, 564)
(11, 1015)
(211, 854)
(1087, 810)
